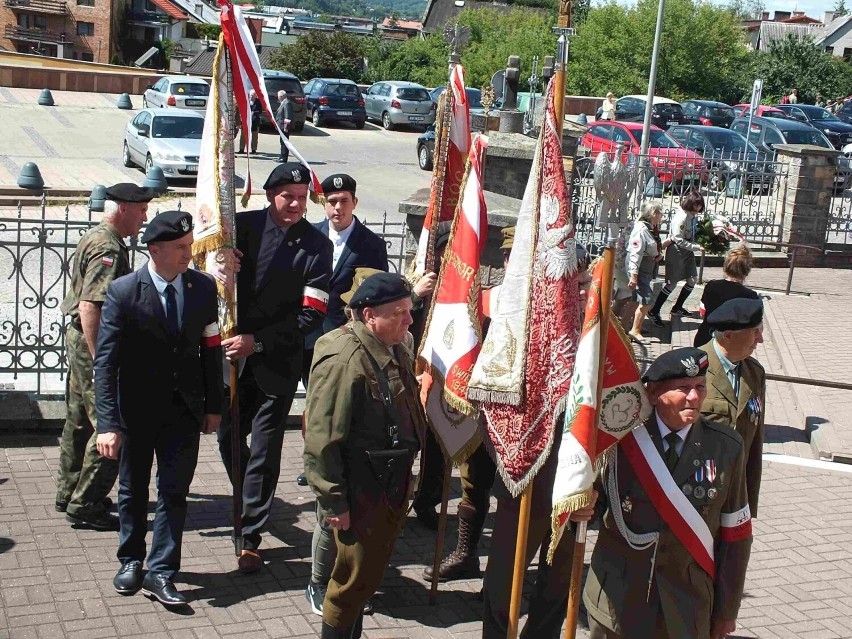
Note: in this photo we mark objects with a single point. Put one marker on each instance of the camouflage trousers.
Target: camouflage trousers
(85, 477)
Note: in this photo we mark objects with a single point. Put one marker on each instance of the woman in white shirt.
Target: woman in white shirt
(608, 107)
(644, 250)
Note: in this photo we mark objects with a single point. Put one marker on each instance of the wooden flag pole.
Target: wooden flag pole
(442, 529)
(520, 568)
(574, 592)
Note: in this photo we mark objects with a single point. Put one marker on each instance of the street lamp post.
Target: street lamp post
(652, 83)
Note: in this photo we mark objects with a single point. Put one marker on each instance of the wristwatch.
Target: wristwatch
(258, 347)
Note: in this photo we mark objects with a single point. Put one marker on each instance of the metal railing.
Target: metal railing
(36, 256)
(15, 32)
(39, 6)
(839, 228)
(147, 16)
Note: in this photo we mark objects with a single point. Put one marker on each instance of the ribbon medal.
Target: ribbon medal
(710, 466)
(754, 408)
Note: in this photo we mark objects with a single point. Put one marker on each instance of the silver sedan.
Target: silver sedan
(167, 138)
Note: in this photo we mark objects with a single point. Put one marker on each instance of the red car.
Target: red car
(763, 111)
(671, 161)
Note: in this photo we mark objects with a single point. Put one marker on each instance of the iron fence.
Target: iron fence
(36, 256)
(839, 228)
(748, 193)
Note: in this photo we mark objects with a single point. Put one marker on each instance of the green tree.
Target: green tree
(746, 9)
(335, 55)
(840, 8)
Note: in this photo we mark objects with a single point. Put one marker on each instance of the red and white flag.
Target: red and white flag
(453, 335)
(623, 406)
(452, 143)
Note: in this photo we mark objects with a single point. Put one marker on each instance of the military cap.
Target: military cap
(129, 192)
(338, 182)
(508, 238)
(380, 288)
(677, 363)
(168, 225)
(288, 173)
(361, 274)
(736, 314)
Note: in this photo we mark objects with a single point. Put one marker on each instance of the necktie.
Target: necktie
(267, 252)
(672, 439)
(172, 310)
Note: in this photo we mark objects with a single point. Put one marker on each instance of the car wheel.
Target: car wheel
(386, 121)
(360, 124)
(125, 156)
(315, 118)
(149, 164)
(424, 158)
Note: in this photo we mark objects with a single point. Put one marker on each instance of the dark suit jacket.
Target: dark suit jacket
(278, 312)
(139, 364)
(363, 249)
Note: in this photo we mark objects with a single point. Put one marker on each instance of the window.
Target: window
(772, 138)
(86, 28)
(385, 90)
(85, 3)
(847, 54)
(619, 135)
(87, 57)
(680, 135)
(40, 22)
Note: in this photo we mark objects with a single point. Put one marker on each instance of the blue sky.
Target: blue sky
(813, 8)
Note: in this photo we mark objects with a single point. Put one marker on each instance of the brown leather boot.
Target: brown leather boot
(463, 562)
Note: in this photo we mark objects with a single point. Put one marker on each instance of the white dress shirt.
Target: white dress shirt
(339, 240)
(160, 284)
(665, 430)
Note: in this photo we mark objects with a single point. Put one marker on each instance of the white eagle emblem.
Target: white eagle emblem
(184, 224)
(297, 176)
(691, 367)
(338, 182)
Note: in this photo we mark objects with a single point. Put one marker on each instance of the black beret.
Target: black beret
(129, 192)
(168, 225)
(677, 363)
(736, 314)
(379, 289)
(338, 182)
(288, 173)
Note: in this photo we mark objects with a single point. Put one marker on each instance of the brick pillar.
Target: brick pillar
(805, 203)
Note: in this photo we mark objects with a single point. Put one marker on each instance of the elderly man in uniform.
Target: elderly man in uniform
(283, 296)
(158, 382)
(365, 424)
(85, 478)
(671, 556)
(736, 382)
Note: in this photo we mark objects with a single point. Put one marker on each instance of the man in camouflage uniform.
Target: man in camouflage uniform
(85, 477)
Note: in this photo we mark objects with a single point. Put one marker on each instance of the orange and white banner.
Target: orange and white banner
(453, 335)
(623, 405)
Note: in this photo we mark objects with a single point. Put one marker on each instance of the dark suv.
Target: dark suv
(838, 132)
(276, 81)
(335, 100)
(708, 113)
(665, 112)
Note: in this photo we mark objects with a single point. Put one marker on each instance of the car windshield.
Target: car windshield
(659, 139)
(413, 94)
(274, 85)
(183, 128)
(185, 88)
(806, 137)
(821, 115)
(474, 97)
(728, 142)
(343, 89)
(668, 109)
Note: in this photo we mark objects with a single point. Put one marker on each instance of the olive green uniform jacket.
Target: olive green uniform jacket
(617, 593)
(745, 413)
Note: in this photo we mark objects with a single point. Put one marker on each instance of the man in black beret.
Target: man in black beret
(671, 555)
(365, 424)
(736, 382)
(282, 297)
(85, 478)
(354, 246)
(158, 385)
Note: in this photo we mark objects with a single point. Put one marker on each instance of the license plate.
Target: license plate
(840, 178)
(671, 122)
(691, 178)
(193, 168)
(195, 103)
(416, 118)
(344, 113)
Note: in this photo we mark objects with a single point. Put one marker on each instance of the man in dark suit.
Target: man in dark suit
(283, 296)
(158, 382)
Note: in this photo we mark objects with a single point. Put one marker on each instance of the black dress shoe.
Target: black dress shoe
(301, 480)
(62, 505)
(99, 521)
(162, 589)
(128, 579)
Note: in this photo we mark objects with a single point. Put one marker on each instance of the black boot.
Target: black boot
(463, 562)
(678, 308)
(350, 632)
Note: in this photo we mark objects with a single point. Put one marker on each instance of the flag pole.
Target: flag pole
(578, 557)
(442, 529)
(520, 568)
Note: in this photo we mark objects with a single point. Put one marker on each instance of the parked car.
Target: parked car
(169, 138)
(845, 112)
(335, 100)
(742, 111)
(664, 113)
(179, 91)
(394, 103)
(474, 99)
(766, 133)
(672, 164)
(708, 113)
(276, 81)
(727, 155)
(838, 132)
(426, 148)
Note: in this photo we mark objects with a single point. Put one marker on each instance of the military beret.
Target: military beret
(168, 225)
(508, 238)
(129, 192)
(736, 314)
(361, 274)
(677, 363)
(338, 182)
(380, 288)
(288, 173)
